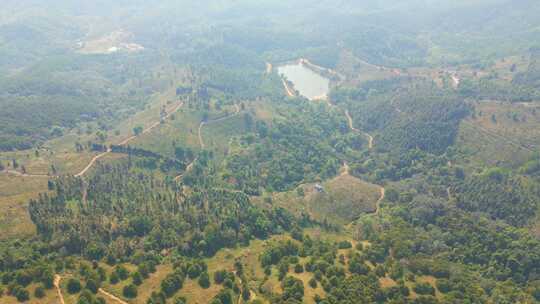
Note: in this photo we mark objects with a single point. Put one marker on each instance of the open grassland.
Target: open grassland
(217, 136)
(501, 133)
(51, 297)
(15, 192)
(342, 199)
(357, 71)
(145, 118)
(182, 129)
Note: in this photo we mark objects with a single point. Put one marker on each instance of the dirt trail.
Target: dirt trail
(92, 162)
(287, 90)
(370, 138)
(112, 297)
(153, 126)
(57, 279)
(17, 173)
(269, 68)
(203, 123)
(102, 154)
(378, 67)
(188, 168)
(201, 141)
(319, 69)
(456, 80)
(378, 203)
(347, 169)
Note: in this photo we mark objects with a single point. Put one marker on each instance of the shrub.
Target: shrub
(39, 292)
(122, 272)
(344, 245)
(194, 271)
(424, 289)
(180, 300)
(172, 283)
(23, 278)
(298, 268)
(86, 297)
(204, 280)
(219, 276)
(157, 298)
(312, 283)
(113, 279)
(130, 291)
(380, 271)
(22, 295)
(92, 285)
(137, 278)
(73, 286)
(223, 297)
(444, 285)
(228, 283)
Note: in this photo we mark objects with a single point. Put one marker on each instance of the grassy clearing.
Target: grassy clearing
(15, 192)
(501, 134)
(518, 122)
(343, 200)
(183, 131)
(358, 71)
(217, 136)
(50, 297)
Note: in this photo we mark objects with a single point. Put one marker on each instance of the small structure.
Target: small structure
(319, 188)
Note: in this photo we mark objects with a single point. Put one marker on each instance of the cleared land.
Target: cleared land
(500, 133)
(342, 199)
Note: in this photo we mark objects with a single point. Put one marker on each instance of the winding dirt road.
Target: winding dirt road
(378, 203)
(57, 279)
(127, 140)
(370, 138)
(102, 154)
(92, 162)
(370, 145)
(111, 296)
(188, 168)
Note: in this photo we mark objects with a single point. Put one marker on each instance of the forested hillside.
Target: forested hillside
(162, 153)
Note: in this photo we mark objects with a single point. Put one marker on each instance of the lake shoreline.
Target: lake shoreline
(308, 79)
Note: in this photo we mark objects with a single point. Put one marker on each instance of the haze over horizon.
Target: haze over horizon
(269, 152)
